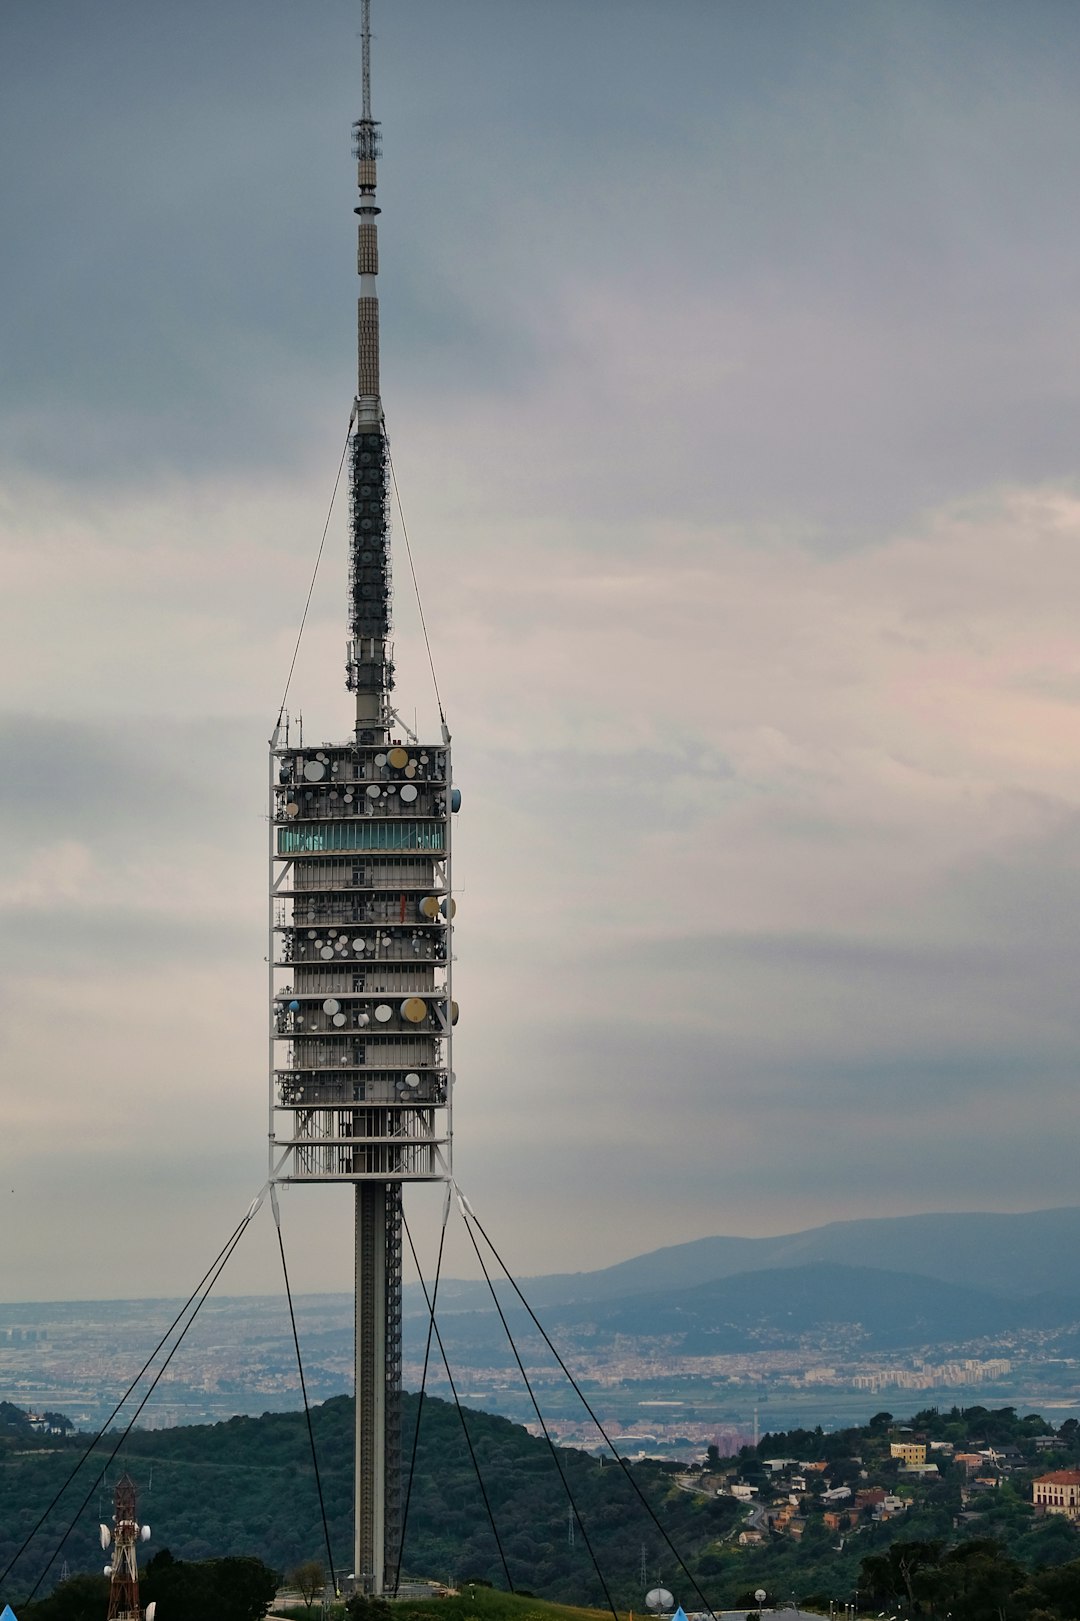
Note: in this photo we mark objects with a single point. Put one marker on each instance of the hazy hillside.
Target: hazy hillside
(861, 1309)
(1029, 1254)
(871, 1309)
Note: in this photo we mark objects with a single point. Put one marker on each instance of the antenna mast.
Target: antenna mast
(366, 36)
(367, 148)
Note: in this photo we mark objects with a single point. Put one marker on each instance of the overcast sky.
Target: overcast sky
(730, 359)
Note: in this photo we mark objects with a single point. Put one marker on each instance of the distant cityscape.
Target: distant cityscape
(78, 1357)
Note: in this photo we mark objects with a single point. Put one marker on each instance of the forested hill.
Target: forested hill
(247, 1487)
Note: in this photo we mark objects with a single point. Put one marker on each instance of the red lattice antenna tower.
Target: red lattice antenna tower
(125, 1535)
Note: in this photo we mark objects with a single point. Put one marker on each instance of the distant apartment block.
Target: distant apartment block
(909, 1452)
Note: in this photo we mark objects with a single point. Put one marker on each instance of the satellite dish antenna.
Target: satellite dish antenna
(105, 1534)
(760, 1595)
(144, 1533)
(151, 1609)
(659, 1599)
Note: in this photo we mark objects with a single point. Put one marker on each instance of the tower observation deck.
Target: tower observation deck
(361, 932)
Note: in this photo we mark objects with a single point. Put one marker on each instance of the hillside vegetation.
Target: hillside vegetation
(246, 1487)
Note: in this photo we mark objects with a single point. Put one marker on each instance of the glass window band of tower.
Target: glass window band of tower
(361, 836)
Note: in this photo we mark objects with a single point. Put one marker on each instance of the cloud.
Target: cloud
(732, 425)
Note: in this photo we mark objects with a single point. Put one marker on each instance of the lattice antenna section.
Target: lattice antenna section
(124, 1536)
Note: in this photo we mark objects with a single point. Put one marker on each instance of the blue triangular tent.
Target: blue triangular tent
(7, 1613)
(680, 1615)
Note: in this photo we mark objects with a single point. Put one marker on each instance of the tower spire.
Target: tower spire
(365, 31)
(370, 668)
(366, 147)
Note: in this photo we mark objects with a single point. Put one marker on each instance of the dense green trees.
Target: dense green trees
(221, 1589)
(974, 1580)
(236, 1589)
(83, 1598)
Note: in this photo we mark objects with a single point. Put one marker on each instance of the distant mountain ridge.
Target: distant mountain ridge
(869, 1309)
(1019, 1256)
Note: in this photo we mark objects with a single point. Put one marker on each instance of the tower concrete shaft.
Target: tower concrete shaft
(361, 926)
(377, 1492)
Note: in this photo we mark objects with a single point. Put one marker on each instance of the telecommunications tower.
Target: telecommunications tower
(124, 1536)
(361, 930)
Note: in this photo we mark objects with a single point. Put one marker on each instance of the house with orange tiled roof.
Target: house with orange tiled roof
(1058, 1493)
